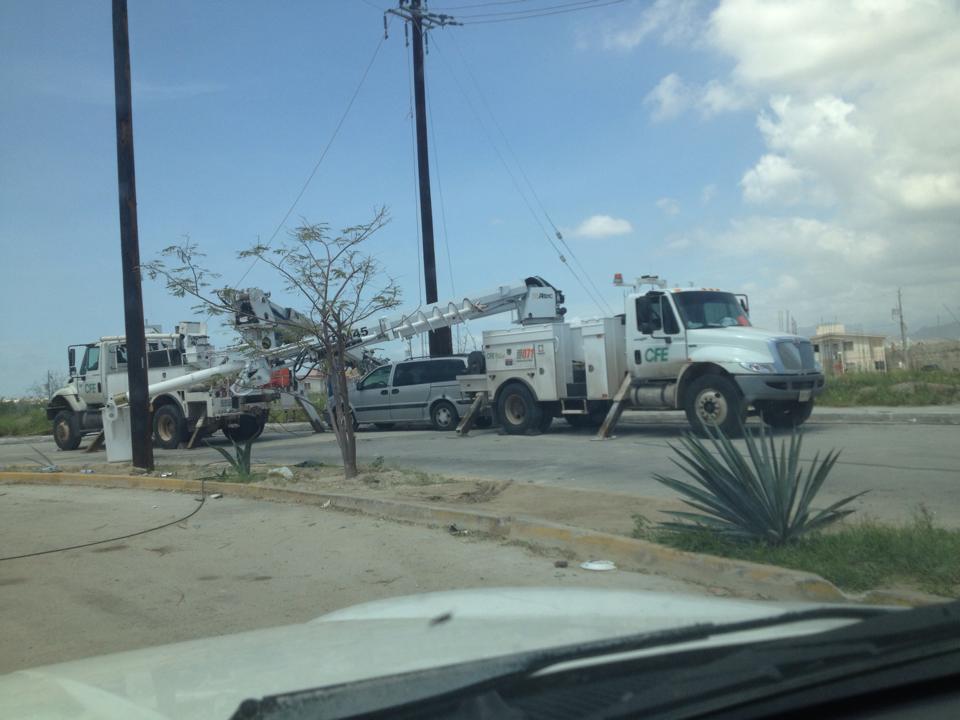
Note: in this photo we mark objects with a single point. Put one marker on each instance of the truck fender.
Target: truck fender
(64, 401)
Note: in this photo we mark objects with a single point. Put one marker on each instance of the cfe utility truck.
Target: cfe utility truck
(682, 348)
(194, 389)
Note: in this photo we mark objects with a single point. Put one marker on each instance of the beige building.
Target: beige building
(840, 352)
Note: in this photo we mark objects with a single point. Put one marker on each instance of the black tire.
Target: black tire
(66, 430)
(384, 426)
(786, 414)
(715, 400)
(546, 420)
(444, 416)
(243, 428)
(169, 427)
(517, 411)
(261, 424)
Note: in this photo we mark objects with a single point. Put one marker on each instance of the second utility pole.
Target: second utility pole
(441, 341)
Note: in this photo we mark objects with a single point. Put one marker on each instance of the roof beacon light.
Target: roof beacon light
(618, 279)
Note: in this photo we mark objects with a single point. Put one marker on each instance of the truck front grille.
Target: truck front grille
(796, 355)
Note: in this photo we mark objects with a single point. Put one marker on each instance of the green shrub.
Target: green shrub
(897, 387)
(23, 418)
(240, 460)
(764, 496)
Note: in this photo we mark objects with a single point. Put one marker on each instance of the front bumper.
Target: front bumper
(780, 387)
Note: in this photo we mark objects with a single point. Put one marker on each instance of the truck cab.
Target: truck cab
(723, 367)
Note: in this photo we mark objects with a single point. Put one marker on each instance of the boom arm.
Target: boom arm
(269, 326)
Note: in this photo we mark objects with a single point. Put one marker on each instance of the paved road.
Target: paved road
(235, 565)
(901, 465)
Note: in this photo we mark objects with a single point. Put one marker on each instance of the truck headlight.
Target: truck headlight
(759, 367)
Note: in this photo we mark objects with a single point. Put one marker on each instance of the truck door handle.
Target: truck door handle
(395, 391)
(383, 392)
(637, 357)
(99, 389)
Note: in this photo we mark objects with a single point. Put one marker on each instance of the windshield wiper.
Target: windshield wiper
(473, 678)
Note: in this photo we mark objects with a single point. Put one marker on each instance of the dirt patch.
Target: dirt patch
(605, 511)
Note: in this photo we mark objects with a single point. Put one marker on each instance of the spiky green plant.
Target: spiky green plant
(764, 496)
(240, 460)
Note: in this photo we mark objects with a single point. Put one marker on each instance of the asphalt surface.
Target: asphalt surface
(901, 465)
(234, 565)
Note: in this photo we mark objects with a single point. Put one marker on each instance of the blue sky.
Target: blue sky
(726, 144)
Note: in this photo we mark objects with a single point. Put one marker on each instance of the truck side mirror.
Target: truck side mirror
(72, 360)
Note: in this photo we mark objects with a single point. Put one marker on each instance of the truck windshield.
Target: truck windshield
(707, 308)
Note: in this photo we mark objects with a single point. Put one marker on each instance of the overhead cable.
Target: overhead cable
(323, 155)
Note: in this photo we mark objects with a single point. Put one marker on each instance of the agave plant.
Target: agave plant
(765, 495)
(240, 460)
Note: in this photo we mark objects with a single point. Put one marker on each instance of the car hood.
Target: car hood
(209, 678)
(733, 344)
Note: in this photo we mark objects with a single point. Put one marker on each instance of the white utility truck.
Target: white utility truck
(682, 348)
(183, 403)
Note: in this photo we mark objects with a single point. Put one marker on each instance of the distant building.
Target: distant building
(840, 352)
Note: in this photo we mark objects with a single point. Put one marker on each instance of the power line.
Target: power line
(516, 184)
(482, 5)
(323, 155)
(488, 18)
(533, 191)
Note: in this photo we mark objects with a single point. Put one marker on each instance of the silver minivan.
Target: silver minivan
(412, 391)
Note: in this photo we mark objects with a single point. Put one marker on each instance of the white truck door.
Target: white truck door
(656, 342)
(91, 377)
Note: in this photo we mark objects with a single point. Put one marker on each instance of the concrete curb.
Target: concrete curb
(735, 576)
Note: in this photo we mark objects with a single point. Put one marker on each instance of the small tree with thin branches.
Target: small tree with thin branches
(340, 286)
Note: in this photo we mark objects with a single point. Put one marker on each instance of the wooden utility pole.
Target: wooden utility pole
(140, 431)
(441, 341)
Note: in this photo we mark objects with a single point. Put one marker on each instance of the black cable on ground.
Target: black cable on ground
(203, 500)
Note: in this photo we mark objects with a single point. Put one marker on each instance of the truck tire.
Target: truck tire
(261, 424)
(244, 428)
(443, 416)
(714, 400)
(66, 430)
(169, 427)
(786, 413)
(517, 410)
(546, 420)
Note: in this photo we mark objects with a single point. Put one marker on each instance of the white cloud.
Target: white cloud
(672, 21)
(669, 206)
(857, 105)
(601, 226)
(673, 96)
(708, 193)
(669, 98)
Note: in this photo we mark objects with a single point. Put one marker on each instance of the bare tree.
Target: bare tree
(45, 388)
(340, 287)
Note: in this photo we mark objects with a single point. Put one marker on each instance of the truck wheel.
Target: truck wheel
(546, 420)
(169, 427)
(518, 412)
(261, 424)
(444, 416)
(66, 430)
(243, 428)
(715, 401)
(786, 414)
